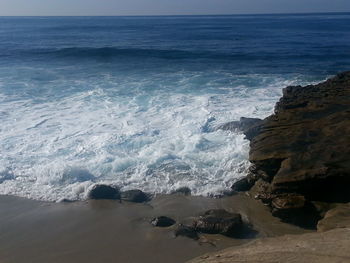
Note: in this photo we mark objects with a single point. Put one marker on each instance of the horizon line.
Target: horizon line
(169, 15)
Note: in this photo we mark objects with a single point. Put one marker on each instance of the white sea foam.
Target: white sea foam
(118, 132)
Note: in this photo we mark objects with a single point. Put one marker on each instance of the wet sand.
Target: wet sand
(97, 231)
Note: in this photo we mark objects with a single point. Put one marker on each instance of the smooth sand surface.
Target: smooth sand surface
(111, 231)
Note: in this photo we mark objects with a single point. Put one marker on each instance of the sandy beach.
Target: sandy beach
(95, 231)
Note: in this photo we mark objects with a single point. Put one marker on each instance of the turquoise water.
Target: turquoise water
(135, 101)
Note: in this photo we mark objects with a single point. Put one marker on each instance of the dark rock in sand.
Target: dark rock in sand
(101, 191)
(186, 231)
(182, 190)
(303, 150)
(136, 196)
(163, 221)
(219, 221)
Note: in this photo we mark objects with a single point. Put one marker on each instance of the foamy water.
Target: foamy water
(136, 102)
(155, 141)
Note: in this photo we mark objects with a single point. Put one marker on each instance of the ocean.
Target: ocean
(136, 101)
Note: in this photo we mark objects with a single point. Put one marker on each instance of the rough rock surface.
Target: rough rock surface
(328, 247)
(101, 191)
(303, 150)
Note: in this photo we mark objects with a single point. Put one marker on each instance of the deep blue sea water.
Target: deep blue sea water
(135, 101)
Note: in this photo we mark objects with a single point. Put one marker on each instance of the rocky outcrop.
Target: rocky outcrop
(328, 247)
(301, 154)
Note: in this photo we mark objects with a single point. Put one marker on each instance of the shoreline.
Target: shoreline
(95, 230)
(282, 200)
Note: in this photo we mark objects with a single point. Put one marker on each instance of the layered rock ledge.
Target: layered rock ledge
(300, 155)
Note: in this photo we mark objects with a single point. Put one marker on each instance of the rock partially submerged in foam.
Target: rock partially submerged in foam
(182, 190)
(101, 191)
(249, 126)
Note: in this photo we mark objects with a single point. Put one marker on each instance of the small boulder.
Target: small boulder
(182, 190)
(246, 183)
(186, 231)
(163, 221)
(219, 221)
(136, 196)
(101, 191)
(242, 185)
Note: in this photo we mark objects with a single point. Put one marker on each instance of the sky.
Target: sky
(166, 7)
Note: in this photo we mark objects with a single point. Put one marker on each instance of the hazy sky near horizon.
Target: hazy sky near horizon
(167, 7)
